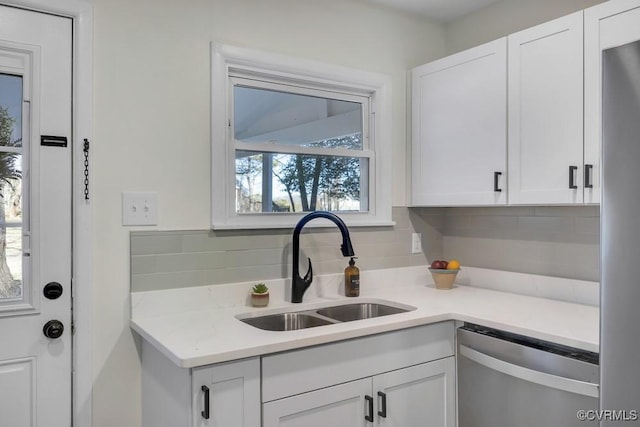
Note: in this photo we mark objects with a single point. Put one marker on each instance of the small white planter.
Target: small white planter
(260, 300)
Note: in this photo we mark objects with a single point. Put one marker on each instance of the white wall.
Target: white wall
(505, 17)
(151, 64)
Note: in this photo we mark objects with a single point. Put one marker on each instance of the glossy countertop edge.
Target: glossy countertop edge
(205, 337)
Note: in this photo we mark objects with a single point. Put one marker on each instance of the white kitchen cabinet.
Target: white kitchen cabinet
(459, 106)
(610, 24)
(330, 384)
(227, 395)
(339, 405)
(545, 90)
(409, 374)
(221, 395)
(422, 395)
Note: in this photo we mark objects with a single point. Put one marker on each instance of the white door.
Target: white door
(459, 146)
(344, 405)
(546, 113)
(35, 217)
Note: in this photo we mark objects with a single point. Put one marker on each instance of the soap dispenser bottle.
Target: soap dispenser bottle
(352, 279)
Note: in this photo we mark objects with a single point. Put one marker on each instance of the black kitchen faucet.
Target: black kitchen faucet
(299, 285)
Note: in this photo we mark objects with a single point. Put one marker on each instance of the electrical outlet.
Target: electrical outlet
(139, 208)
(416, 243)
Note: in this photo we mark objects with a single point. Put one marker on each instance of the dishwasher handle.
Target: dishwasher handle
(526, 374)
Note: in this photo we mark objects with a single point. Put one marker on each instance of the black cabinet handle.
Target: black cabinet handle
(383, 404)
(587, 176)
(496, 177)
(205, 413)
(369, 403)
(572, 173)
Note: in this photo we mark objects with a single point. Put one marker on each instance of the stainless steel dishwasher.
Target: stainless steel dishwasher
(508, 380)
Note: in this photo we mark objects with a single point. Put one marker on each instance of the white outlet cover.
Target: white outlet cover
(139, 208)
(416, 243)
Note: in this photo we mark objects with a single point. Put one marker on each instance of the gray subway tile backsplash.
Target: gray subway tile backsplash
(556, 241)
(545, 224)
(561, 241)
(205, 257)
(146, 243)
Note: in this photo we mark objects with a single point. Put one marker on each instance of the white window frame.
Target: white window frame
(229, 61)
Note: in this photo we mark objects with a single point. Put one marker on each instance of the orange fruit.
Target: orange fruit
(454, 264)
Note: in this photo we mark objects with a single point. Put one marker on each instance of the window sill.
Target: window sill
(314, 224)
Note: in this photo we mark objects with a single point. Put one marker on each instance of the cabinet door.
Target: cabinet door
(421, 395)
(546, 113)
(227, 395)
(342, 405)
(459, 128)
(606, 25)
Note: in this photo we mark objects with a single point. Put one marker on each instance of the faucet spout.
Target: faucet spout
(299, 285)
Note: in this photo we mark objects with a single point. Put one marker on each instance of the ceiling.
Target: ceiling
(439, 10)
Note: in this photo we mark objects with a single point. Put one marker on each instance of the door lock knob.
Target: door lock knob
(53, 329)
(52, 290)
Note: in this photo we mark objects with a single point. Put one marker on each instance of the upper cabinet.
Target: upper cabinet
(459, 128)
(478, 140)
(545, 138)
(610, 24)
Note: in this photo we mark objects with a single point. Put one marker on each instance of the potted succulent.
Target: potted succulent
(260, 295)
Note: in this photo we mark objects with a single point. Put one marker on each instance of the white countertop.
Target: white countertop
(197, 326)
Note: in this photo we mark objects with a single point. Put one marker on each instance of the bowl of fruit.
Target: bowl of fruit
(444, 273)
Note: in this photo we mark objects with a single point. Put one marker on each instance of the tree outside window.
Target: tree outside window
(304, 182)
(10, 210)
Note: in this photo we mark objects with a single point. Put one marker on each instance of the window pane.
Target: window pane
(275, 182)
(10, 110)
(11, 285)
(262, 115)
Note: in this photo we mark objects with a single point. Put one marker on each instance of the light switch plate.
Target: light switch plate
(139, 208)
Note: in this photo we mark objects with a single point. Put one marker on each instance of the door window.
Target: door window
(11, 211)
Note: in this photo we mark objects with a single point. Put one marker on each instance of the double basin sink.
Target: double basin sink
(310, 318)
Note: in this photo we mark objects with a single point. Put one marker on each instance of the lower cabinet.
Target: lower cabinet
(339, 405)
(221, 395)
(227, 395)
(421, 395)
(404, 378)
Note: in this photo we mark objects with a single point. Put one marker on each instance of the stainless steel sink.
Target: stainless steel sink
(359, 311)
(286, 321)
(312, 318)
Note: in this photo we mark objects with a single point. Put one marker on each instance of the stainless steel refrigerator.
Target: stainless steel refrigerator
(620, 235)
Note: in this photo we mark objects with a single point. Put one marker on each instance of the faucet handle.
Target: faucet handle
(308, 277)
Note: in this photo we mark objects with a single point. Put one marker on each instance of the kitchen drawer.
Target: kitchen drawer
(298, 371)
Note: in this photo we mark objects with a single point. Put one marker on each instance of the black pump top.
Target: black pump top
(352, 262)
